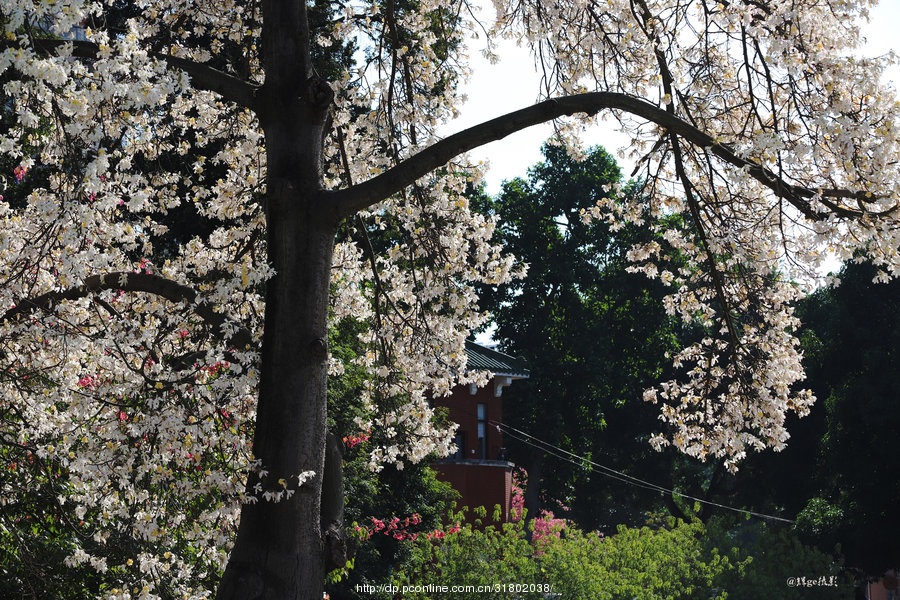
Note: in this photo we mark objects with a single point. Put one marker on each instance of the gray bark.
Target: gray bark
(279, 553)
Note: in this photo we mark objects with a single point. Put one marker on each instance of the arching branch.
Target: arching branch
(130, 282)
(362, 195)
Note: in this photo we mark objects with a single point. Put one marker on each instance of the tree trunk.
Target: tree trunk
(279, 551)
(715, 482)
(533, 490)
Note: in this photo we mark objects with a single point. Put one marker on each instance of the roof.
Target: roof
(482, 358)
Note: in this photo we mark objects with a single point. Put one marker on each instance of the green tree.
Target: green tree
(593, 334)
(776, 563)
(852, 343)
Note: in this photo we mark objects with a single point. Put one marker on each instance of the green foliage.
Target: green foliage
(473, 557)
(819, 517)
(852, 345)
(391, 493)
(774, 563)
(593, 334)
(33, 545)
(672, 562)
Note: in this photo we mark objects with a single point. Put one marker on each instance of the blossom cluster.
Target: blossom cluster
(546, 524)
(399, 529)
(791, 167)
(354, 440)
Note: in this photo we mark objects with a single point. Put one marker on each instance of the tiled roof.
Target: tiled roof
(482, 358)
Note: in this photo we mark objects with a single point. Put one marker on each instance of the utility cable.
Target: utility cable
(595, 467)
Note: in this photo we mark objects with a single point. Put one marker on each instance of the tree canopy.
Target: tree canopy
(593, 334)
(851, 336)
(157, 386)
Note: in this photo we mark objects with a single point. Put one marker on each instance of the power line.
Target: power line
(574, 462)
(563, 454)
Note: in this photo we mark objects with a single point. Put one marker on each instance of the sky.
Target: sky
(494, 90)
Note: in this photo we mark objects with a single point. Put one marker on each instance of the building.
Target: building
(479, 470)
(885, 588)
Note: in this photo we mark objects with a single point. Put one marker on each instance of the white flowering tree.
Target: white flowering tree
(182, 178)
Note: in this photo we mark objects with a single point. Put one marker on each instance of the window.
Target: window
(482, 431)
(460, 441)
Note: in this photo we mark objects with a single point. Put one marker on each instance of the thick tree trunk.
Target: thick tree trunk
(279, 551)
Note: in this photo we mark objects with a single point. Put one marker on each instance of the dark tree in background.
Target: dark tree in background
(852, 344)
(593, 335)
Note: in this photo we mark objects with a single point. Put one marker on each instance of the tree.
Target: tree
(852, 337)
(672, 560)
(594, 336)
(132, 381)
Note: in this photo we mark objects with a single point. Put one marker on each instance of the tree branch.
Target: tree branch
(202, 76)
(130, 282)
(367, 193)
(205, 77)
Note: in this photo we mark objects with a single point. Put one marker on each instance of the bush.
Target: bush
(676, 561)
(672, 562)
(469, 556)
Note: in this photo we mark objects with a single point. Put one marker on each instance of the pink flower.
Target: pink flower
(351, 441)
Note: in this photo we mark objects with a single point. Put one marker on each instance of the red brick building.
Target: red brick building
(479, 470)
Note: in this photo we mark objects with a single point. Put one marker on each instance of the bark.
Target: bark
(202, 76)
(131, 282)
(279, 553)
(675, 510)
(339, 548)
(533, 490)
(715, 484)
(438, 154)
